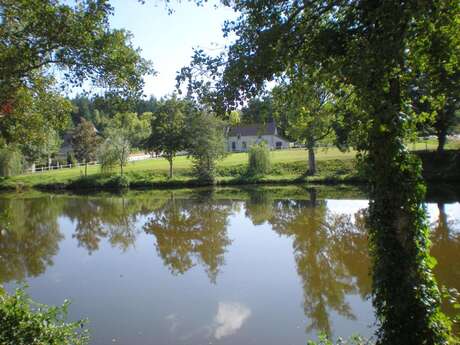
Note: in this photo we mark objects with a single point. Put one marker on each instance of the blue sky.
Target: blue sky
(167, 39)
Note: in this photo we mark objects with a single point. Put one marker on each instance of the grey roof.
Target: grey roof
(253, 129)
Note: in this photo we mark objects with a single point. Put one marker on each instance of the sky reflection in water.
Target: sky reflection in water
(246, 266)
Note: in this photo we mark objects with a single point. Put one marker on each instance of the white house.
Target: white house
(241, 138)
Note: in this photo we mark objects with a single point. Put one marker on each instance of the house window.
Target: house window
(233, 146)
(279, 145)
(244, 145)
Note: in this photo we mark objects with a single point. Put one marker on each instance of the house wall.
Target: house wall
(271, 141)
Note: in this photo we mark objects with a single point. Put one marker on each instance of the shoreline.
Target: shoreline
(437, 169)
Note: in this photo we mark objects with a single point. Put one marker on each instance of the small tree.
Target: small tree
(118, 148)
(51, 145)
(107, 158)
(259, 159)
(11, 161)
(168, 126)
(307, 105)
(206, 144)
(85, 142)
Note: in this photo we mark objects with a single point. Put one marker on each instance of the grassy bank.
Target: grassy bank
(288, 166)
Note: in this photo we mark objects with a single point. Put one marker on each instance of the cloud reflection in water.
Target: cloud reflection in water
(230, 318)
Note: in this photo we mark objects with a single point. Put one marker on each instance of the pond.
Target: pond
(271, 265)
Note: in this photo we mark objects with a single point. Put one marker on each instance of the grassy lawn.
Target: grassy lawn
(182, 164)
(331, 161)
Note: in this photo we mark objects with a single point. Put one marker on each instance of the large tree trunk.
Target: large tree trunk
(405, 295)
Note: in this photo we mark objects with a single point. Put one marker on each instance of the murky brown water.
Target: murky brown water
(233, 266)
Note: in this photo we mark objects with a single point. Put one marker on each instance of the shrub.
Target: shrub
(259, 159)
(11, 161)
(24, 322)
(119, 182)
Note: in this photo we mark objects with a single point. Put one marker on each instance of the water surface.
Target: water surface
(229, 266)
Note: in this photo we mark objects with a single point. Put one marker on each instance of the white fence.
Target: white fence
(40, 169)
(57, 167)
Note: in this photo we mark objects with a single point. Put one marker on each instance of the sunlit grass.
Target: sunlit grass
(182, 164)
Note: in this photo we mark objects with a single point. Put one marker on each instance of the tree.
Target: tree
(118, 146)
(135, 128)
(436, 68)
(364, 45)
(85, 142)
(43, 39)
(52, 145)
(308, 107)
(39, 34)
(168, 129)
(35, 114)
(206, 143)
(258, 110)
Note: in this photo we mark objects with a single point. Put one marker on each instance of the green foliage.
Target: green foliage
(308, 109)
(168, 129)
(71, 159)
(11, 161)
(258, 110)
(206, 144)
(35, 121)
(24, 322)
(135, 128)
(354, 340)
(119, 182)
(107, 157)
(259, 159)
(117, 147)
(85, 142)
(435, 66)
(41, 37)
(364, 46)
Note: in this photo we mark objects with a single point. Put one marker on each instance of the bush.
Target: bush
(11, 161)
(206, 144)
(259, 159)
(119, 182)
(24, 322)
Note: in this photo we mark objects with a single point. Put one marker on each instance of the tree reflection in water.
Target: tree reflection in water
(445, 238)
(111, 217)
(321, 240)
(330, 249)
(29, 236)
(188, 231)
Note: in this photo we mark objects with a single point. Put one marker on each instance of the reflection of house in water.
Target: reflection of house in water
(241, 138)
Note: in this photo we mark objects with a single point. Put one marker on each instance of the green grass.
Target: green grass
(288, 166)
